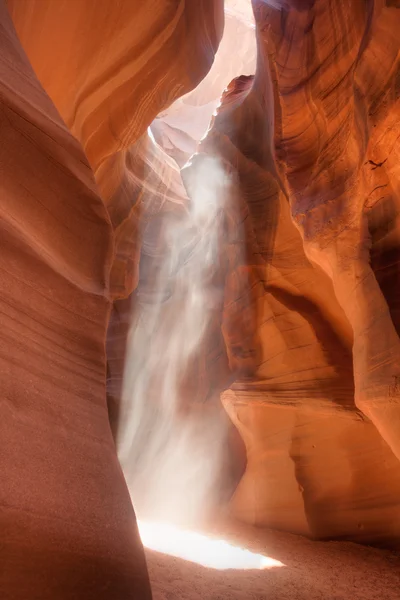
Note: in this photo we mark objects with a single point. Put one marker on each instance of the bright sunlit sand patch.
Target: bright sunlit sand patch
(197, 548)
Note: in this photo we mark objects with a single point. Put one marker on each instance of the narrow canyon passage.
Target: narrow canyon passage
(199, 299)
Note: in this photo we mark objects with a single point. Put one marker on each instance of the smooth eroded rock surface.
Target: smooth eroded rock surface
(310, 319)
(67, 525)
(315, 142)
(302, 345)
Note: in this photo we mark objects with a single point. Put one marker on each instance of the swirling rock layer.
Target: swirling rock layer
(315, 142)
(310, 320)
(67, 525)
(304, 347)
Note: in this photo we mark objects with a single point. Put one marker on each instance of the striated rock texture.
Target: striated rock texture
(311, 312)
(67, 525)
(112, 68)
(69, 247)
(109, 78)
(304, 347)
(114, 101)
(315, 141)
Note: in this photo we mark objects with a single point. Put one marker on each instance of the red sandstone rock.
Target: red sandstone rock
(108, 98)
(309, 326)
(68, 528)
(67, 525)
(315, 143)
(111, 68)
(332, 165)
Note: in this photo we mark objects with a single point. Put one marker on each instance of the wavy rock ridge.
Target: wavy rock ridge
(314, 140)
(57, 453)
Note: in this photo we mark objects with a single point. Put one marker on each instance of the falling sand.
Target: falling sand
(172, 457)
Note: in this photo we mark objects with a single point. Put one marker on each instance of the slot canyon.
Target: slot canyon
(200, 299)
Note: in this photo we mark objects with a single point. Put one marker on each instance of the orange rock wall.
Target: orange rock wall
(67, 525)
(69, 246)
(315, 142)
(305, 349)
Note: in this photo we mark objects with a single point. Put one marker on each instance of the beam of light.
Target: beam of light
(197, 548)
(171, 457)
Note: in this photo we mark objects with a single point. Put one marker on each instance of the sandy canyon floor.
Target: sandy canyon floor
(311, 571)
